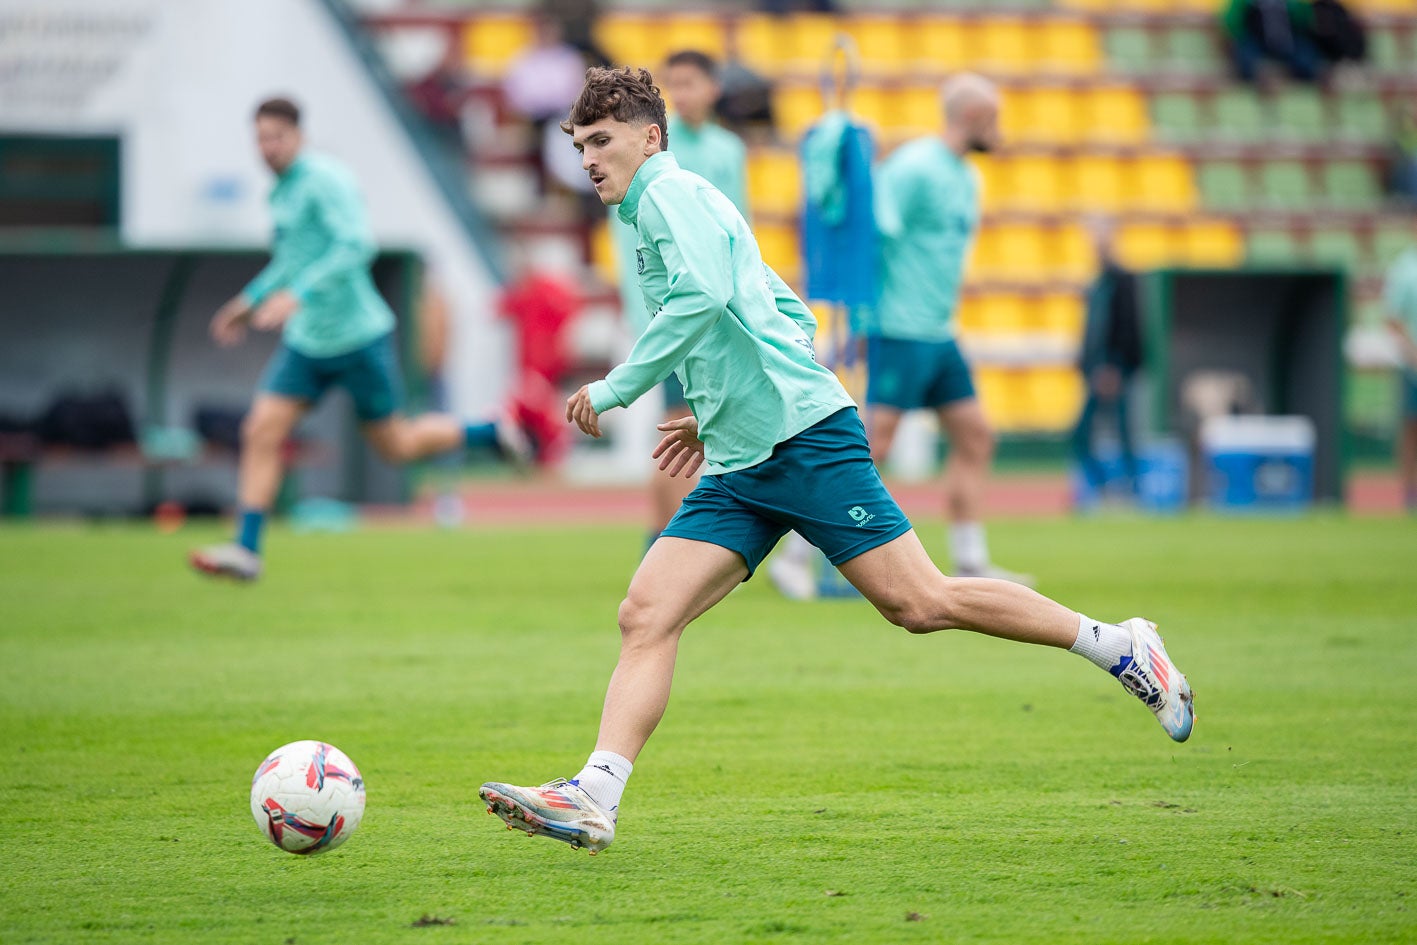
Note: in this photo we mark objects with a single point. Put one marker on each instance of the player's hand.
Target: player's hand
(275, 311)
(228, 325)
(681, 452)
(580, 412)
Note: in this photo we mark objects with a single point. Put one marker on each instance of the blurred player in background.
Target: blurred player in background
(336, 331)
(784, 450)
(1400, 299)
(927, 212)
(720, 157)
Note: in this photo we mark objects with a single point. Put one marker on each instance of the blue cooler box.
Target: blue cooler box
(1258, 463)
(1161, 477)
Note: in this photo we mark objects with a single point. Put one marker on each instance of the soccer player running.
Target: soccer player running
(927, 212)
(782, 449)
(716, 154)
(336, 331)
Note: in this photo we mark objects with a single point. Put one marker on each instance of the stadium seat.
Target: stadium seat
(1062, 313)
(1003, 313)
(1147, 245)
(993, 181)
(759, 40)
(1002, 394)
(1052, 398)
(1068, 47)
(969, 313)
(1161, 183)
(1390, 239)
(1129, 50)
(1178, 118)
(1224, 185)
(1284, 185)
(631, 39)
(808, 40)
(1097, 184)
(1033, 183)
(779, 245)
(1115, 114)
(1351, 185)
(1362, 117)
(1072, 253)
(1385, 51)
(1239, 116)
(918, 110)
(939, 45)
(703, 32)
(774, 183)
(795, 107)
(881, 42)
(602, 252)
(1336, 247)
(1212, 243)
(873, 105)
(1192, 50)
(491, 42)
(1270, 247)
(1299, 116)
(1005, 46)
(1042, 115)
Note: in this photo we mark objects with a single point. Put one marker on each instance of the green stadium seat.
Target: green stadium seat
(1337, 248)
(1362, 116)
(1224, 185)
(1385, 51)
(1177, 117)
(1129, 50)
(1299, 115)
(1193, 49)
(1238, 116)
(1272, 247)
(1351, 185)
(1284, 185)
(1392, 238)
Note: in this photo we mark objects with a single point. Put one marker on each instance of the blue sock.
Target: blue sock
(479, 435)
(249, 523)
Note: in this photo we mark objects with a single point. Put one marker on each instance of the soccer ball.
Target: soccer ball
(307, 797)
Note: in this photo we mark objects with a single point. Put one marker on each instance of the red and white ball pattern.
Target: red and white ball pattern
(307, 797)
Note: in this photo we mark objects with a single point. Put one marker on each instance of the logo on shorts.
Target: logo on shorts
(859, 515)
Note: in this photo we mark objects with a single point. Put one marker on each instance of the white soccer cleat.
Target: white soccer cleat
(1149, 674)
(792, 577)
(559, 809)
(229, 560)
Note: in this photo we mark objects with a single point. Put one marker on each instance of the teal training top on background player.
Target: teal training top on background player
(1400, 291)
(321, 253)
(715, 154)
(927, 211)
(741, 341)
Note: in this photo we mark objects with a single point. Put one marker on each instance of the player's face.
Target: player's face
(692, 92)
(611, 152)
(983, 125)
(278, 140)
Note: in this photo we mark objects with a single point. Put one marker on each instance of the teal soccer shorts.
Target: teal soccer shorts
(911, 375)
(370, 374)
(821, 483)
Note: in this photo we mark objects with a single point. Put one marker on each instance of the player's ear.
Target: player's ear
(653, 136)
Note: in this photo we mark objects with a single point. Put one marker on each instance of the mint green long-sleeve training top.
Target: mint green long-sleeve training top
(741, 340)
(321, 253)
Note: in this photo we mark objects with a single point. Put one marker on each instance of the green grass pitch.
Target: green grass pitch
(819, 777)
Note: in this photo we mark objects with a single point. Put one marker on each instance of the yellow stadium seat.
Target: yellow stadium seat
(1053, 398)
(1041, 115)
(759, 40)
(702, 32)
(1068, 47)
(1073, 253)
(880, 41)
(1147, 245)
(795, 107)
(969, 313)
(1062, 313)
(1002, 394)
(872, 105)
(1217, 243)
(774, 183)
(1097, 184)
(1022, 253)
(779, 246)
(808, 41)
(602, 252)
(1034, 184)
(1005, 46)
(1003, 313)
(490, 43)
(938, 45)
(1115, 114)
(631, 39)
(919, 111)
(1161, 183)
(992, 181)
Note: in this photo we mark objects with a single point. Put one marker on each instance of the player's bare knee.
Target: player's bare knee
(261, 432)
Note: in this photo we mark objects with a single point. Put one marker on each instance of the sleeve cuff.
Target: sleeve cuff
(603, 397)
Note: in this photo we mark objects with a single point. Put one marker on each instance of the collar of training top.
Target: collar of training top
(655, 166)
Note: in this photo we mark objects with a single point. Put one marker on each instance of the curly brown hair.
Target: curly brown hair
(625, 94)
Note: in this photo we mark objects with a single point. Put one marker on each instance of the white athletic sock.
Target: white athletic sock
(1104, 644)
(796, 549)
(968, 547)
(604, 777)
